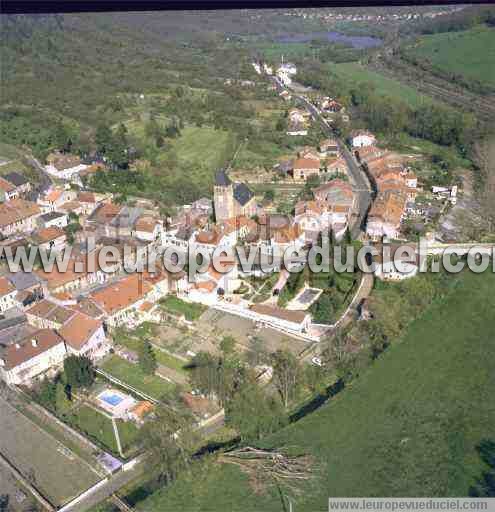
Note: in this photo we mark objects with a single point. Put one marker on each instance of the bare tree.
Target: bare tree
(269, 467)
(286, 373)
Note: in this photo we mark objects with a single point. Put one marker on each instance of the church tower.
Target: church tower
(223, 197)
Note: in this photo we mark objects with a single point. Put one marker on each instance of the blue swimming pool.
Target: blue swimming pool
(111, 399)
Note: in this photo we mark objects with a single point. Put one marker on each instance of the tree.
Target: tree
(147, 358)
(257, 353)
(269, 194)
(4, 502)
(47, 393)
(347, 236)
(103, 138)
(285, 375)
(338, 357)
(79, 371)
(485, 485)
(170, 441)
(227, 345)
(62, 401)
(253, 414)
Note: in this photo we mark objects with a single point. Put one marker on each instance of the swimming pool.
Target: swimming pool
(111, 399)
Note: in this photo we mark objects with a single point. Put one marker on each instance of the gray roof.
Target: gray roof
(127, 217)
(242, 194)
(221, 179)
(51, 216)
(23, 280)
(16, 178)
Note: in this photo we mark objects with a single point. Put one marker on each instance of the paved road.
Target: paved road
(357, 176)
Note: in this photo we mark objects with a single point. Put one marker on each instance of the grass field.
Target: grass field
(97, 426)
(133, 339)
(177, 306)
(409, 426)
(132, 374)
(205, 146)
(356, 73)
(39, 457)
(470, 53)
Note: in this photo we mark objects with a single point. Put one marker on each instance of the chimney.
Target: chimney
(34, 342)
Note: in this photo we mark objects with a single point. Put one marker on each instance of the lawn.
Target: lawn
(133, 339)
(177, 306)
(99, 428)
(470, 53)
(356, 73)
(409, 426)
(132, 374)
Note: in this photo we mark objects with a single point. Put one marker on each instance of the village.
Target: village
(103, 315)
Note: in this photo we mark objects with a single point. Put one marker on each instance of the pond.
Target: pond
(358, 42)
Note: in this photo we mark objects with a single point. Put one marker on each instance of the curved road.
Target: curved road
(358, 178)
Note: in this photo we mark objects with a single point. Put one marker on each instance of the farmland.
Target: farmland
(470, 53)
(416, 417)
(355, 73)
(58, 474)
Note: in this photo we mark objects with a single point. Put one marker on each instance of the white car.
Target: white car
(316, 361)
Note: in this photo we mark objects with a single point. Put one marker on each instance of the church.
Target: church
(232, 199)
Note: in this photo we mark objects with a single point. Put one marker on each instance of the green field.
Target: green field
(409, 426)
(98, 427)
(202, 146)
(470, 53)
(353, 72)
(174, 305)
(133, 339)
(132, 374)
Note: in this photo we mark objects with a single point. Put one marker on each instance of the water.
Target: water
(358, 42)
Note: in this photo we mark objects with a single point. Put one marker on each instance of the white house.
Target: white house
(291, 321)
(288, 68)
(52, 238)
(362, 138)
(18, 216)
(53, 219)
(55, 198)
(148, 228)
(64, 167)
(121, 300)
(85, 336)
(7, 295)
(7, 190)
(35, 355)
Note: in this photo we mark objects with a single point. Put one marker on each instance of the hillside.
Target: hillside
(408, 427)
(470, 53)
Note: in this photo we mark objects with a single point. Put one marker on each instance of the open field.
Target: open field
(133, 375)
(415, 418)
(356, 73)
(470, 53)
(205, 146)
(58, 475)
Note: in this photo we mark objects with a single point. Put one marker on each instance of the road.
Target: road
(359, 180)
(45, 179)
